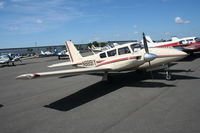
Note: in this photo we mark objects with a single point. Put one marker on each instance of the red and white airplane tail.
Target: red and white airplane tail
(149, 40)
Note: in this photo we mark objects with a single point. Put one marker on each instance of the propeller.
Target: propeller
(148, 57)
(145, 43)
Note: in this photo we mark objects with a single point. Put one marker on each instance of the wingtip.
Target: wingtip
(51, 66)
(27, 76)
(23, 77)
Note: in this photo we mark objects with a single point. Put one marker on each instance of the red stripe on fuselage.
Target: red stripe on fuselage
(99, 61)
(168, 45)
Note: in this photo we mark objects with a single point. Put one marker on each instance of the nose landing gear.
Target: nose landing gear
(168, 74)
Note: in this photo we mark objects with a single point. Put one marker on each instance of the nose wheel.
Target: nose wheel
(168, 75)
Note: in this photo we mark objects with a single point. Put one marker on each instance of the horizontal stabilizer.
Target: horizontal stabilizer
(62, 72)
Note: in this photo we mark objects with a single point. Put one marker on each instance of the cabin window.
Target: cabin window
(190, 40)
(184, 42)
(124, 50)
(102, 55)
(135, 47)
(111, 53)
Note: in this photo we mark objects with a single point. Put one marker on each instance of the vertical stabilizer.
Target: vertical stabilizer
(149, 40)
(74, 54)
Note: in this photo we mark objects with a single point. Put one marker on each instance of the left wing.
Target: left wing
(62, 72)
(62, 64)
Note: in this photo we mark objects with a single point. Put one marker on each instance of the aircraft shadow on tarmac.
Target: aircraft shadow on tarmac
(101, 88)
(1, 105)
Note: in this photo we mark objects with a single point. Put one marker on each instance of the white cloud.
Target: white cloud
(135, 26)
(13, 28)
(38, 21)
(167, 33)
(2, 4)
(136, 32)
(50, 15)
(179, 20)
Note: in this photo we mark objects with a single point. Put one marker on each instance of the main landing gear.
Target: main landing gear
(106, 78)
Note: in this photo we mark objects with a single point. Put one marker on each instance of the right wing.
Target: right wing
(62, 72)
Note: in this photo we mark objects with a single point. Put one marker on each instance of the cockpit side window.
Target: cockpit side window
(124, 50)
(190, 41)
(112, 53)
(102, 55)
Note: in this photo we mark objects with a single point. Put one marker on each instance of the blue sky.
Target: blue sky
(51, 22)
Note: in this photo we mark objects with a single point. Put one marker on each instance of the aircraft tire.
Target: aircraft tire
(168, 76)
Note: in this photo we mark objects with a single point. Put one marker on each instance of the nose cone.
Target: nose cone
(149, 57)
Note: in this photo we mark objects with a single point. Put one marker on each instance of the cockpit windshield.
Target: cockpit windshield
(197, 39)
(136, 47)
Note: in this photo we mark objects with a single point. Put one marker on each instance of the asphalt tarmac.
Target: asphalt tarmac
(131, 103)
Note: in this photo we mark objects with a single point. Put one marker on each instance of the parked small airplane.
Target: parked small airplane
(97, 49)
(62, 53)
(187, 44)
(129, 56)
(9, 59)
(46, 53)
(100, 49)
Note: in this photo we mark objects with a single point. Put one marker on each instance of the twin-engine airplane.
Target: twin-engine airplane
(130, 56)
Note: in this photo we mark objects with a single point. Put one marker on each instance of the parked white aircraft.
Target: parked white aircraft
(125, 57)
(97, 49)
(46, 53)
(187, 44)
(62, 53)
(9, 59)
(100, 49)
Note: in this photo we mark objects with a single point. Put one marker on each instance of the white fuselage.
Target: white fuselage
(134, 59)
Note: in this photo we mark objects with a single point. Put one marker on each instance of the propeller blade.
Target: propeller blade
(145, 43)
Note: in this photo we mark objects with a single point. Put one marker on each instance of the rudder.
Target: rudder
(74, 54)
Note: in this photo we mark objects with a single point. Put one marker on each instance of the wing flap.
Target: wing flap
(62, 72)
